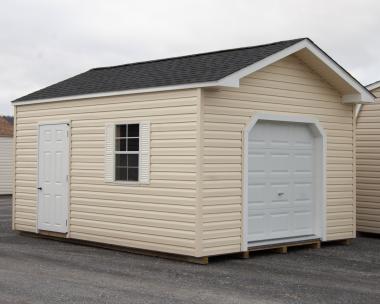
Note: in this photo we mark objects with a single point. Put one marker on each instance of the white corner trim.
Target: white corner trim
(357, 110)
(320, 196)
(233, 80)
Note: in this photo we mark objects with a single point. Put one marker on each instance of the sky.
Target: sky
(44, 41)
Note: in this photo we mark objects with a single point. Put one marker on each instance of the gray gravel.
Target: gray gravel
(34, 270)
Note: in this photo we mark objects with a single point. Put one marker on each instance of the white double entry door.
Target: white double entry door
(53, 177)
(281, 200)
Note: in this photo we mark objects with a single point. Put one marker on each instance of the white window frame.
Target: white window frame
(127, 152)
(143, 153)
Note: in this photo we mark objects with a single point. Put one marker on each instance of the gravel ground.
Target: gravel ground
(34, 270)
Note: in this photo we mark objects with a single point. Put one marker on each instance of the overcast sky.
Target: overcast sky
(45, 41)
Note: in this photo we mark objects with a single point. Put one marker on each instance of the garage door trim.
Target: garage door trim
(320, 169)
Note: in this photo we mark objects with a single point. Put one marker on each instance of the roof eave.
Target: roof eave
(361, 96)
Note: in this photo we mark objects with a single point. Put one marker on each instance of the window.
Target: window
(127, 142)
(127, 152)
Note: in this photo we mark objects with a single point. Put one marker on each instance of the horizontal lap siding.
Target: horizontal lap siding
(368, 168)
(159, 216)
(286, 87)
(6, 161)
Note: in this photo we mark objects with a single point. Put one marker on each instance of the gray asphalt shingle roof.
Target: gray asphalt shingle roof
(189, 69)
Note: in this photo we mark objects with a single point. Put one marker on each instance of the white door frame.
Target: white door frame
(320, 169)
(58, 122)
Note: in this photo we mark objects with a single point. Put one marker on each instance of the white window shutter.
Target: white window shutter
(109, 155)
(144, 161)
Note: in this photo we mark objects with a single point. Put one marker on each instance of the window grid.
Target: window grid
(127, 152)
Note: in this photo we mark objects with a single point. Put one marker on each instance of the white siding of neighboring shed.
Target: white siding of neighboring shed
(368, 167)
(286, 87)
(160, 216)
(6, 162)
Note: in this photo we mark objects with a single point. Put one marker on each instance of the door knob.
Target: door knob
(39, 188)
(280, 193)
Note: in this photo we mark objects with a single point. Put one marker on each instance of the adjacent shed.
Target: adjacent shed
(368, 165)
(6, 155)
(198, 155)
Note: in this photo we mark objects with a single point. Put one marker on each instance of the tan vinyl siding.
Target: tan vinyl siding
(285, 87)
(368, 167)
(160, 216)
(6, 161)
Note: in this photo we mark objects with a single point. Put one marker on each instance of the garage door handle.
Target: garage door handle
(39, 188)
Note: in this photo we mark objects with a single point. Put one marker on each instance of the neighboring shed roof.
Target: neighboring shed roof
(373, 85)
(220, 68)
(6, 126)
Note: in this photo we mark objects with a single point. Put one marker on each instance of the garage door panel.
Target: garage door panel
(257, 194)
(257, 161)
(278, 161)
(258, 229)
(280, 195)
(303, 161)
(279, 223)
(280, 181)
(303, 192)
(302, 220)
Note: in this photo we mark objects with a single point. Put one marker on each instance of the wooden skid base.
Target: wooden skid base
(283, 248)
(345, 242)
(242, 255)
(164, 255)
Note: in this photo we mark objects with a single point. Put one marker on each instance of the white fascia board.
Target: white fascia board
(233, 80)
(362, 96)
(128, 92)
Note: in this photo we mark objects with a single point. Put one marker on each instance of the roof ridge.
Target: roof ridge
(197, 54)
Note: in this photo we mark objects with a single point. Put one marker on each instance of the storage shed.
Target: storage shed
(368, 165)
(198, 155)
(6, 155)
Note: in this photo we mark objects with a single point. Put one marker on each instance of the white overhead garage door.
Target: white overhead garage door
(280, 181)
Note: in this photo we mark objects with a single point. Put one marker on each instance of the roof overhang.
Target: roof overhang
(351, 90)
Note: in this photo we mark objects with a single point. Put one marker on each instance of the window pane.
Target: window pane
(121, 173)
(121, 145)
(133, 144)
(133, 130)
(133, 174)
(121, 160)
(133, 160)
(121, 131)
